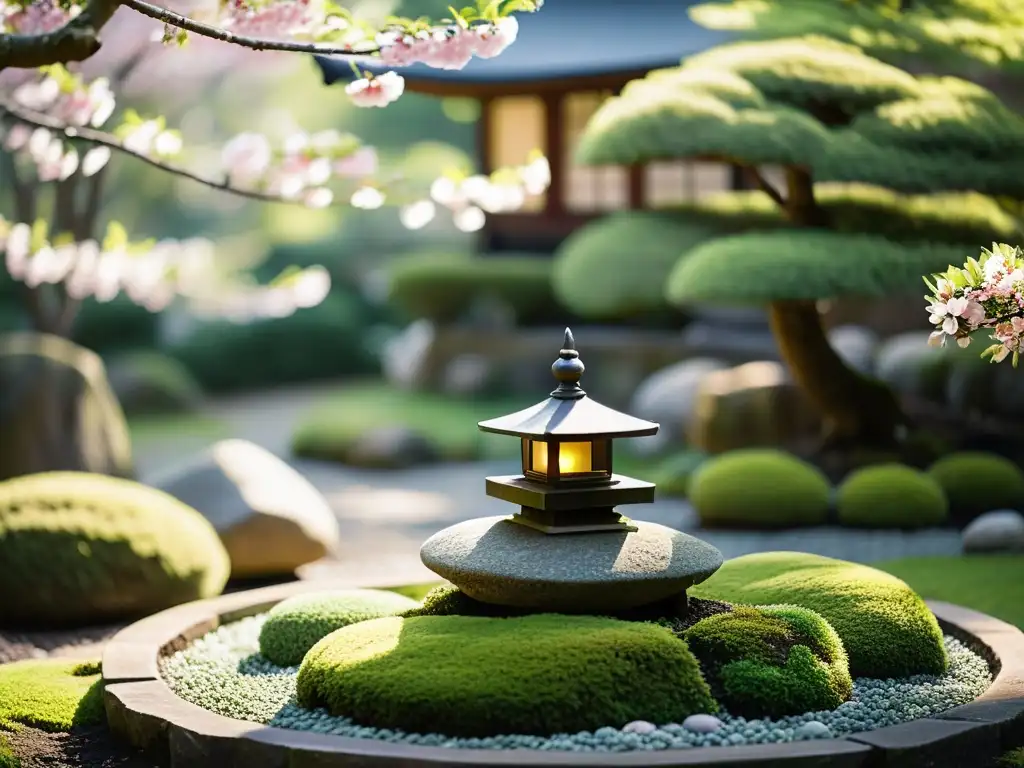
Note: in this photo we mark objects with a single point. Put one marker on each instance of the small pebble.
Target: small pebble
(813, 730)
(702, 723)
(641, 727)
(224, 673)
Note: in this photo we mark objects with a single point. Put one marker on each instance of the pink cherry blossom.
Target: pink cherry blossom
(492, 39)
(246, 157)
(376, 91)
(360, 164)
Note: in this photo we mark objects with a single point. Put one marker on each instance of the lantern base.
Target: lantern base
(578, 521)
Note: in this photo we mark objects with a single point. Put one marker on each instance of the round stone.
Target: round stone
(702, 723)
(813, 729)
(495, 560)
(641, 727)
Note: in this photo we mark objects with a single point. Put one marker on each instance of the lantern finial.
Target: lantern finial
(568, 369)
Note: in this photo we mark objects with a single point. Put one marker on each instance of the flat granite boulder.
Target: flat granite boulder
(498, 561)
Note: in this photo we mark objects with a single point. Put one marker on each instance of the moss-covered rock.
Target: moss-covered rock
(79, 548)
(772, 661)
(976, 482)
(885, 626)
(891, 496)
(149, 383)
(674, 473)
(760, 488)
(541, 674)
(295, 625)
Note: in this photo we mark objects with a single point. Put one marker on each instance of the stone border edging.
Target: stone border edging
(143, 710)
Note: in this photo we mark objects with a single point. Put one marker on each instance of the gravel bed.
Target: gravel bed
(224, 673)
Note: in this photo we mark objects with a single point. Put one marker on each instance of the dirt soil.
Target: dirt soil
(82, 748)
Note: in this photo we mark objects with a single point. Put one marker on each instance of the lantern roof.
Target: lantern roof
(569, 39)
(568, 413)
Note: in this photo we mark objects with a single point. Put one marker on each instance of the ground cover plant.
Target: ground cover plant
(50, 694)
(765, 674)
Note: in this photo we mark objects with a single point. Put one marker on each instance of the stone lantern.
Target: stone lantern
(567, 484)
(567, 549)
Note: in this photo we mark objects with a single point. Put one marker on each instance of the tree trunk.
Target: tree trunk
(858, 410)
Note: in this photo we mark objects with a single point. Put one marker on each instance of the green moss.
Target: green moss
(87, 548)
(331, 428)
(772, 661)
(762, 267)
(991, 584)
(891, 496)
(50, 694)
(541, 674)
(809, 71)
(442, 287)
(886, 628)
(592, 278)
(1013, 759)
(415, 591)
(763, 488)
(297, 624)
(976, 482)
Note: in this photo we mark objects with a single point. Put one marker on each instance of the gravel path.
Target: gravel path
(386, 515)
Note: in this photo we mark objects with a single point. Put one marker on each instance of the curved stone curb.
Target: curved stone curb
(144, 711)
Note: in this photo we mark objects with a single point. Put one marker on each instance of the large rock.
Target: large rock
(752, 405)
(999, 531)
(667, 397)
(495, 560)
(269, 517)
(57, 411)
(391, 447)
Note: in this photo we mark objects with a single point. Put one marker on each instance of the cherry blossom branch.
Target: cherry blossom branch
(76, 40)
(103, 139)
(179, 21)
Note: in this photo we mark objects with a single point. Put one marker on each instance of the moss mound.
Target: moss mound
(81, 548)
(538, 675)
(761, 488)
(891, 496)
(297, 624)
(773, 661)
(976, 482)
(674, 474)
(885, 626)
(149, 383)
(50, 694)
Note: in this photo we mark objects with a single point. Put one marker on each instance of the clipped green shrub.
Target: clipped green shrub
(891, 496)
(115, 326)
(149, 383)
(78, 548)
(295, 625)
(759, 488)
(976, 482)
(771, 661)
(321, 342)
(442, 287)
(592, 278)
(53, 695)
(540, 674)
(674, 474)
(885, 626)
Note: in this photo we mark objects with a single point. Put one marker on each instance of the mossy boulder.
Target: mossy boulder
(295, 625)
(673, 474)
(149, 383)
(82, 548)
(891, 496)
(479, 677)
(772, 661)
(759, 488)
(976, 482)
(886, 628)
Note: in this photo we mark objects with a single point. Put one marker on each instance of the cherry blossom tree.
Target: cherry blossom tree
(60, 126)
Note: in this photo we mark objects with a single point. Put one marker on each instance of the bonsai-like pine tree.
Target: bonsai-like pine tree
(958, 34)
(824, 112)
